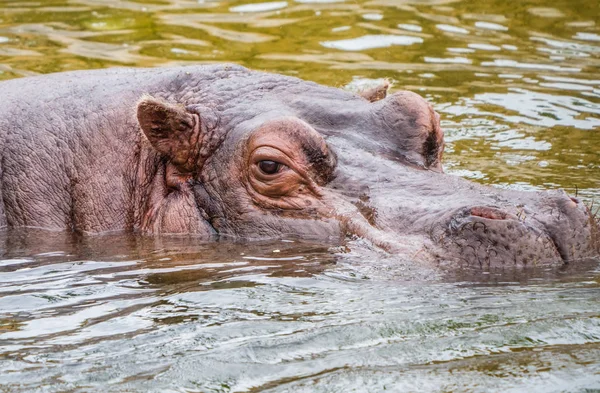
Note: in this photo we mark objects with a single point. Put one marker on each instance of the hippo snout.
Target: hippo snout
(559, 230)
(572, 227)
(487, 236)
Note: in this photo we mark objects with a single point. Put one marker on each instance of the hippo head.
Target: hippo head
(258, 155)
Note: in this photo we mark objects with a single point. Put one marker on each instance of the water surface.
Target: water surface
(518, 88)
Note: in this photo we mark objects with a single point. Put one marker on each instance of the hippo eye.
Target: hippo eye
(269, 167)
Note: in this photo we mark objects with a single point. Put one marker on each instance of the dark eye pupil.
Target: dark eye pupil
(269, 167)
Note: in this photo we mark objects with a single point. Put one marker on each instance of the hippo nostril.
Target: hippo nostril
(575, 201)
(490, 213)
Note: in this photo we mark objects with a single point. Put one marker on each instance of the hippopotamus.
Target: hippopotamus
(221, 151)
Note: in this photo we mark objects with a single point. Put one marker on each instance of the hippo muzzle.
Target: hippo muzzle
(563, 231)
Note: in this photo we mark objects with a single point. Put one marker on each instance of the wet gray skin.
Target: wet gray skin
(221, 150)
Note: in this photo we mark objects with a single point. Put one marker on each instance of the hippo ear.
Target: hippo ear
(170, 129)
(376, 93)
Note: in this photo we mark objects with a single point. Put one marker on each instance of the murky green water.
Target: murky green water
(518, 87)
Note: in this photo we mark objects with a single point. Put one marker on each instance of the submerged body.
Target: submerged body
(222, 150)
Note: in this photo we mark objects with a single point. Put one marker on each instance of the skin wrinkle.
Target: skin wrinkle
(350, 157)
(34, 160)
(3, 222)
(107, 187)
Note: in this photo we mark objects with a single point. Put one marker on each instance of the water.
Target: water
(518, 88)
(123, 313)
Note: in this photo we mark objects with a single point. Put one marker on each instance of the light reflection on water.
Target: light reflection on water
(127, 313)
(518, 88)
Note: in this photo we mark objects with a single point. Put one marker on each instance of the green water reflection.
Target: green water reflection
(517, 83)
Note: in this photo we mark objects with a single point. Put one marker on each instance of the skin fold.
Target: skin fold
(225, 151)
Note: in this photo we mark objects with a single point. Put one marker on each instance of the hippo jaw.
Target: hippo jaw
(367, 168)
